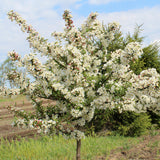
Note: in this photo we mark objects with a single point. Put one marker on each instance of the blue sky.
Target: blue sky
(46, 17)
(108, 6)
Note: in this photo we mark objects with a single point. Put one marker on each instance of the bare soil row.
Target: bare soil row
(6, 118)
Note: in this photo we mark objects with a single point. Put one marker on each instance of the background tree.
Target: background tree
(150, 57)
(112, 121)
(8, 70)
(6, 67)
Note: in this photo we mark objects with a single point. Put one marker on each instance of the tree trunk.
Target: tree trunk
(78, 153)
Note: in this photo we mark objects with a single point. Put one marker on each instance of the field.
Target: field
(18, 144)
(6, 117)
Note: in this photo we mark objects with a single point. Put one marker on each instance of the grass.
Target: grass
(9, 99)
(58, 148)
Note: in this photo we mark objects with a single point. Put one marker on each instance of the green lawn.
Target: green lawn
(58, 148)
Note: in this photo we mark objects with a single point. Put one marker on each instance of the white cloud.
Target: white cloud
(11, 38)
(35, 8)
(149, 17)
(42, 14)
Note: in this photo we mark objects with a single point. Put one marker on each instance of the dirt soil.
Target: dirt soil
(147, 149)
(6, 119)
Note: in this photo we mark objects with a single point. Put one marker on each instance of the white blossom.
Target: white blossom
(80, 76)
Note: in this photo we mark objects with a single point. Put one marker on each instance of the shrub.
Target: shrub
(126, 123)
(138, 127)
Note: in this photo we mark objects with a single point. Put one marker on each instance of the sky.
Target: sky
(46, 17)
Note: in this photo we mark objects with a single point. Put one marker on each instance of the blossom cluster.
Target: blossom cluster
(14, 56)
(82, 75)
(42, 126)
(67, 17)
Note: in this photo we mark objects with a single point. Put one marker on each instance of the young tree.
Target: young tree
(82, 74)
(6, 67)
(8, 70)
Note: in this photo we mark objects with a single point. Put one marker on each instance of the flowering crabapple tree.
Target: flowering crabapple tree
(80, 75)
